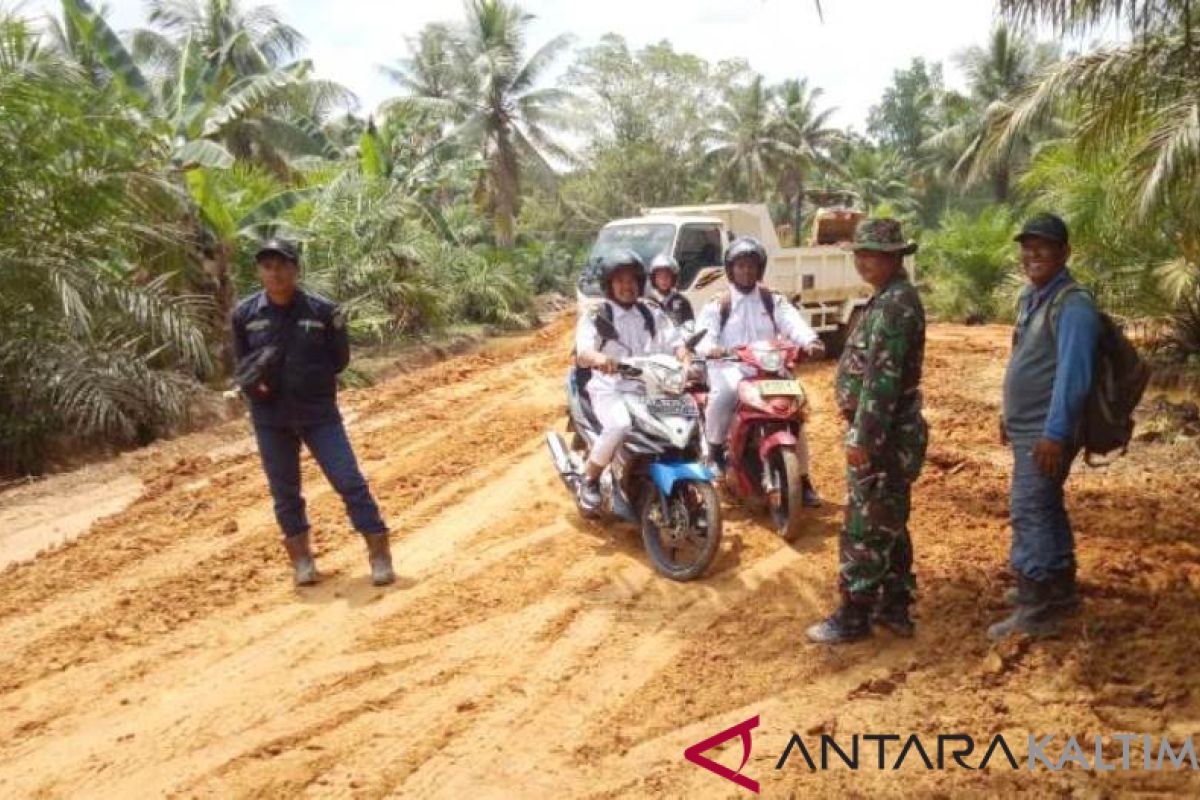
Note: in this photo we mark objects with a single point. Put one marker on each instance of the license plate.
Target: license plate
(780, 387)
(672, 407)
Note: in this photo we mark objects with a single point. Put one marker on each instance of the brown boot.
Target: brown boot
(379, 553)
(299, 550)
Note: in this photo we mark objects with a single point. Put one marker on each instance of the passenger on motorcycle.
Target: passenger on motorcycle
(747, 313)
(664, 277)
(641, 330)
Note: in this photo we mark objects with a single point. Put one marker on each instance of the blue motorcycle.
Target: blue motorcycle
(657, 479)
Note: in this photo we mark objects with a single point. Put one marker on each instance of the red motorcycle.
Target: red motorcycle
(762, 459)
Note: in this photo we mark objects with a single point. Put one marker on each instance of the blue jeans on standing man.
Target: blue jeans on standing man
(279, 447)
(1042, 541)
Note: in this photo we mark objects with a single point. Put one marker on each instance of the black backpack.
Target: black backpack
(606, 311)
(768, 301)
(584, 374)
(1119, 379)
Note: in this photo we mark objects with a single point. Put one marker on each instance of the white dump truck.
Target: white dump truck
(819, 278)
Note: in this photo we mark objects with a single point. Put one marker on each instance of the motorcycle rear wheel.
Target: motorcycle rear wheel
(698, 504)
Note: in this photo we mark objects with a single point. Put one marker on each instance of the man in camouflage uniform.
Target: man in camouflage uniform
(878, 393)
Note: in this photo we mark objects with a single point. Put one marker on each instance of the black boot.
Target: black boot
(1035, 613)
(1063, 590)
(299, 550)
(892, 613)
(848, 624)
(811, 498)
(379, 554)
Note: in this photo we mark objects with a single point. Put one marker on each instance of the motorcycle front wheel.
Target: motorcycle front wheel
(787, 503)
(682, 540)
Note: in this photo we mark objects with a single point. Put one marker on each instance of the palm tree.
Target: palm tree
(879, 175)
(747, 143)
(431, 69)
(97, 337)
(805, 130)
(491, 97)
(216, 78)
(1140, 98)
(1147, 89)
(994, 75)
(232, 75)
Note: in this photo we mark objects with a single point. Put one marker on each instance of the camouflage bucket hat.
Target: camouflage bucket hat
(882, 234)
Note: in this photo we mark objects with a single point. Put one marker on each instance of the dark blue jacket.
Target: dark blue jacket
(316, 348)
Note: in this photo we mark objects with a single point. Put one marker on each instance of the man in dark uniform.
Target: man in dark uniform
(878, 392)
(291, 345)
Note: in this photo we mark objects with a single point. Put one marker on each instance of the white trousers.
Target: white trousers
(614, 422)
(723, 380)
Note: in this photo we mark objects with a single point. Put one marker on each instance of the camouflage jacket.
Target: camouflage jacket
(879, 375)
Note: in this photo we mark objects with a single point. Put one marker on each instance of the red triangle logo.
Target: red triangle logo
(742, 729)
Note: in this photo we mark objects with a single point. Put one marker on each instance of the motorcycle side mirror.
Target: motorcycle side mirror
(694, 339)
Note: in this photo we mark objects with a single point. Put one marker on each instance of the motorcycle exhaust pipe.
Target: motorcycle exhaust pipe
(561, 458)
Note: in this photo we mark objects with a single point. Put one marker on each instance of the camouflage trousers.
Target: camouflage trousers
(875, 547)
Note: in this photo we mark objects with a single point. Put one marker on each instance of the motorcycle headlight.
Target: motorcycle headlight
(669, 381)
(772, 361)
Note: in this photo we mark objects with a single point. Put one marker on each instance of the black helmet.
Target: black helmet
(664, 261)
(280, 247)
(617, 260)
(745, 246)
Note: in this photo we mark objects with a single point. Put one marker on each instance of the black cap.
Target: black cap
(1047, 226)
(279, 247)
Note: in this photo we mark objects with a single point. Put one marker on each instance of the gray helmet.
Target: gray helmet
(617, 260)
(664, 261)
(745, 246)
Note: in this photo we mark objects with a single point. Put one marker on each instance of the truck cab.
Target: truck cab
(697, 243)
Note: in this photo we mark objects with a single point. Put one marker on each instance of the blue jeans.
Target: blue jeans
(1042, 542)
(279, 448)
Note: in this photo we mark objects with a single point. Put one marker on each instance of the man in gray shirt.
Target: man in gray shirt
(1045, 388)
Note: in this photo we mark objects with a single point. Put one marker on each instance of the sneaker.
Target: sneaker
(589, 498)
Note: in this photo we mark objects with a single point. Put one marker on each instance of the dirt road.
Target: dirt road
(528, 654)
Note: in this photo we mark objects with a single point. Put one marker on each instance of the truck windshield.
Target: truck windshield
(699, 246)
(646, 239)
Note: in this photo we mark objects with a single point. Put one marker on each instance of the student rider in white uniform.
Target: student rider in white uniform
(641, 330)
(747, 313)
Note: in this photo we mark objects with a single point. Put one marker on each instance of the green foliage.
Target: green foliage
(96, 338)
(1118, 254)
(138, 173)
(967, 264)
(913, 108)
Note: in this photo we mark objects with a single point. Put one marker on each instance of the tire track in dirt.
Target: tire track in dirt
(529, 653)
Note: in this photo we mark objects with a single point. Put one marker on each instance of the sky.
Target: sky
(851, 54)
